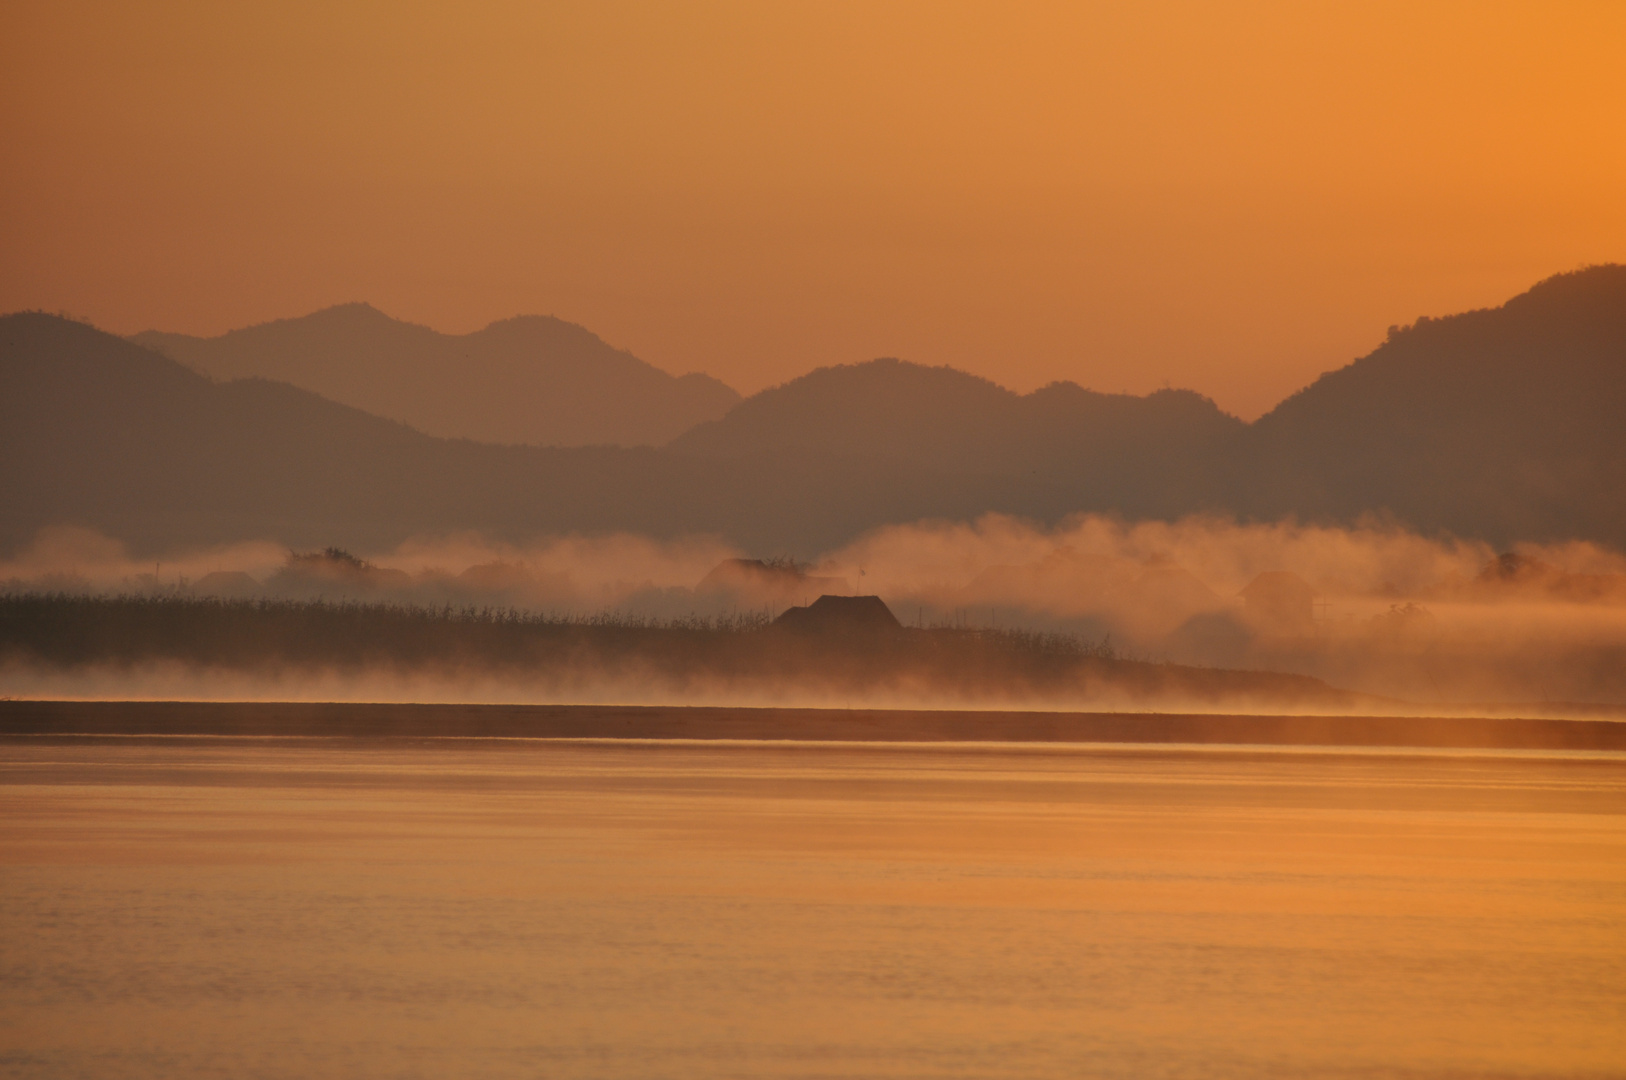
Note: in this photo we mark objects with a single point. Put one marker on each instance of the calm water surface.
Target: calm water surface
(273, 908)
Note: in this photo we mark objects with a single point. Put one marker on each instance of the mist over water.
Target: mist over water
(1374, 609)
(571, 573)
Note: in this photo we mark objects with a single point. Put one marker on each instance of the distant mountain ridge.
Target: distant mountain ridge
(1501, 422)
(1150, 455)
(532, 380)
(1502, 425)
(98, 431)
(940, 416)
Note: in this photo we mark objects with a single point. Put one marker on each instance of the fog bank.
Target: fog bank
(1375, 609)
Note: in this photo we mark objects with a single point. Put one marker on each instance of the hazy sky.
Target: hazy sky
(1228, 196)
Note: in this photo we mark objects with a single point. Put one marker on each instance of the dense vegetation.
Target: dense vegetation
(65, 628)
(555, 654)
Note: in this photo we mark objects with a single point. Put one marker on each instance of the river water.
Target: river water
(508, 908)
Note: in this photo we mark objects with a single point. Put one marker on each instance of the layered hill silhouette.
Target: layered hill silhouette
(1141, 456)
(1502, 424)
(532, 380)
(98, 431)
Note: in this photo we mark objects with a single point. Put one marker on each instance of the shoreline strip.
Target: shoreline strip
(656, 722)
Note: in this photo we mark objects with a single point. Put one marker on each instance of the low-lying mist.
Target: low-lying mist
(839, 654)
(1374, 609)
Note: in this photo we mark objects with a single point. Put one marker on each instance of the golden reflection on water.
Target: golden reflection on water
(308, 908)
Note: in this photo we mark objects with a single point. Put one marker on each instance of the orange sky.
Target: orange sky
(1228, 196)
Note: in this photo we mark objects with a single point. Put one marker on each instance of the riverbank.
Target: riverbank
(441, 721)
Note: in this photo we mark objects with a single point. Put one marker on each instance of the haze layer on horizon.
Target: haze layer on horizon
(1228, 197)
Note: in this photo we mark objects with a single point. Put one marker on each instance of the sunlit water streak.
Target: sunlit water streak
(311, 908)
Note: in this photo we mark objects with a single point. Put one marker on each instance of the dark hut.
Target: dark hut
(840, 615)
